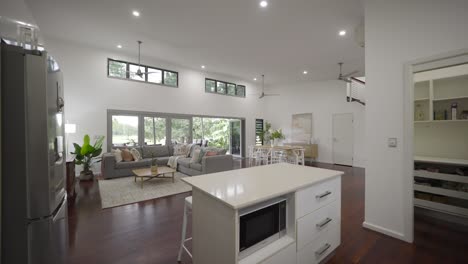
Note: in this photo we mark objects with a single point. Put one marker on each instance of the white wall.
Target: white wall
(322, 99)
(89, 92)
(398, 32)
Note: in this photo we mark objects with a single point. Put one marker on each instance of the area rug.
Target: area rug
(122, 191)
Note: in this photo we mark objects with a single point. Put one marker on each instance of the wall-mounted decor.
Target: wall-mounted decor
(301, 129)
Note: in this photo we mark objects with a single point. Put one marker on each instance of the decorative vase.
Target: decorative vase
(154, 166)
(86, 175)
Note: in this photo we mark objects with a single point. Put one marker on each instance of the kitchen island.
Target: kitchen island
(313, 198)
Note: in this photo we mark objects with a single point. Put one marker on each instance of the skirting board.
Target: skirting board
(385, 231)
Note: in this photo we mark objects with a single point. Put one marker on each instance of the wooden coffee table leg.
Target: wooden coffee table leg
(142, 182)
(173, 177)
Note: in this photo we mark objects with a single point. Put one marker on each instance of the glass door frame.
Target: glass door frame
(169, 116)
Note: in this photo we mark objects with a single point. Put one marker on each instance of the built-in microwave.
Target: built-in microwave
(261, 225)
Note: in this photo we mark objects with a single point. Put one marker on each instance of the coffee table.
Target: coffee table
(149, 175)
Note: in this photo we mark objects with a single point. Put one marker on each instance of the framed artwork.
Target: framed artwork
(301, 129)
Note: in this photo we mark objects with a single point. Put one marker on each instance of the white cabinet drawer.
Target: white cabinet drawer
(310, 226)
(316, 196)
(323, 245)
(285, 256)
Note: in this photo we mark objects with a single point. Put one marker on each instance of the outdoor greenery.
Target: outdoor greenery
(180, 130)
(266, 133)
(124, 133)
(222, 87)
(215, 130)
(170, 78)
(155, 130)
(87, 154)
(117, 69)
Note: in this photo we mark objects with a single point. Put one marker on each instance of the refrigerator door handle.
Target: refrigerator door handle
(60, 102)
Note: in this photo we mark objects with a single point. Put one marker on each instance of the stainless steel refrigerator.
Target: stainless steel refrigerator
(34, 202)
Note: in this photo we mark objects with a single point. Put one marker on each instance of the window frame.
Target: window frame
(243, 86)
(226, 92)
(209, 79)
(127, 75)
(225, 87)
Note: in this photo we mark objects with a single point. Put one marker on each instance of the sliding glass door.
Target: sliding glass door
(181, 130)
(155, 131)
(235, 137)
(131, 128)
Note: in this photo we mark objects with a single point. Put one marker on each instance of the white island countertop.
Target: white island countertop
(245, 187)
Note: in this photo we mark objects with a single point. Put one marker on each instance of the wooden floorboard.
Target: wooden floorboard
(149, 232)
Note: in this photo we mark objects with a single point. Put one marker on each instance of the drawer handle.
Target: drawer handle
(320, 252)
(324, 223)
(320, 196)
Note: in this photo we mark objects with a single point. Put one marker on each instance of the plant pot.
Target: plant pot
(86, 175)
(276, 142)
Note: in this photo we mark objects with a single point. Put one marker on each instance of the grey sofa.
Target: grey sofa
(112, 169)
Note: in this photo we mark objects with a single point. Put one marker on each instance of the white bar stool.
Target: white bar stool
(187, 210)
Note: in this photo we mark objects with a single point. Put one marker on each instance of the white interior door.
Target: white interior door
(343, 137)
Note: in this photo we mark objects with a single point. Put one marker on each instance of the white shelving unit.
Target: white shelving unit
(435, 91)
(440, 140)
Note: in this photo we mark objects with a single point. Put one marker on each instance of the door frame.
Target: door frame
(333, 136)
(432, 62)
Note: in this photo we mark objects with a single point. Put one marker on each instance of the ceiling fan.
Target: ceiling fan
(263, 94)
(345, 77)
(139, 73)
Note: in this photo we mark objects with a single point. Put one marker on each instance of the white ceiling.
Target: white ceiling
(234, 37)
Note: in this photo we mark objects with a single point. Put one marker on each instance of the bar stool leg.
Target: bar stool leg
(184, 231)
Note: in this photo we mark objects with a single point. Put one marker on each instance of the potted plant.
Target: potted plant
(88, 154)
(276, 136)
(265, 135)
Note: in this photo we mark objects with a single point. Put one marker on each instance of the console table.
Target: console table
(313, 198)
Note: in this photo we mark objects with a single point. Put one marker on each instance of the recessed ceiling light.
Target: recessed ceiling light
(119, 46)
(263, 3)
(304, 72)
(342, 32)
(203, 66)
(255, 79)
(136, 13)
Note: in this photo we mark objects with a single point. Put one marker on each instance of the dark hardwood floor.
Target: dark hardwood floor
(149, 232)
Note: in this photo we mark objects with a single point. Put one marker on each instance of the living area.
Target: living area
(189, 127)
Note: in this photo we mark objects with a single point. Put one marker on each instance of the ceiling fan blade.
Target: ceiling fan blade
(271, 94)
(349, 74)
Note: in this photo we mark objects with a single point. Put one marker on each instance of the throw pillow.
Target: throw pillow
(135, 154)
(194, 147)
(196, 156)
(117, 154)
(179, 149)
(127, 155)
(211, 153)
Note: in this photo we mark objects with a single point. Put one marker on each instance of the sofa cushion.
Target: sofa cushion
(117, 154)
(162, 161)
(155, 151)
(196, 166)
(133, 164)
(184, 162)
(136, 154)
(127, 155)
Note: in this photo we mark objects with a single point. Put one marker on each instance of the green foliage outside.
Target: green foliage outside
(87, 154)
(215, 130)
(170, 78)
(117, 69)
(159, 126)
(124, 133)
